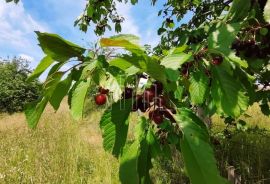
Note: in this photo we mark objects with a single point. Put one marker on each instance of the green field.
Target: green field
(63, 151)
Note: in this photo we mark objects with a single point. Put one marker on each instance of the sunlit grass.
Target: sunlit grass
(61, 150)
(58, 151)
(253, 117)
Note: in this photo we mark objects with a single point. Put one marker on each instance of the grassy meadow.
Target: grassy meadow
(58, 151)
(63, 151)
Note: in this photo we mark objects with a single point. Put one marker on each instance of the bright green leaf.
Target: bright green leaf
(153, 143)
(155, 70)
(241, 62)
(144, 162)
(222, 38)
(120, 63)
(135, 162)
(126, 41)
(51, 83)
(197, 153)
(33, 112)
(178, 94)
(114, 126)
(198, 88)
(227, 92)
(42, 66)
(111, 83)
(238, 11)
(128, 164)
(78, 97)
(175, 61)
(57, 48)
(266, 12)
(60, 92)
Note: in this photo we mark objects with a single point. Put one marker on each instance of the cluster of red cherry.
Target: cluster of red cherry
(251, 48)
(151, 101)
(216, 60)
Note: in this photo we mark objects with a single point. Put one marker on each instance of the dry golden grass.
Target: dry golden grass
(58, 151)
(256, 119)
(63, 151)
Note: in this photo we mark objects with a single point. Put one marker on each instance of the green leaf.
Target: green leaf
(178, 50)
(126, 41)
(172, 75)
(175, 61)
(99, 75)
(222, 38)
(144, 162)
(128, 164)
(51, 83)
(264, 31)
(266, 12)
(133, 2)
(227, 92)
(153, 143)
(34, 110)
(78, 98)
(238, 11)
(135, 162)
(178, 93)
(241, 62)
(132, 70)
(57, 48)
(114, 126)
(42, 66)
(265, 109)
(161, 30)
(144, 157)
(55, 68)
(60, 92)
(198, 87)
(90, 11)
(120, 63)
(155, 70)
(197, 153)
(111, 83)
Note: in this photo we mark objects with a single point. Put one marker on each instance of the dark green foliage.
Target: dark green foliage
(15, 1)
(15, 91)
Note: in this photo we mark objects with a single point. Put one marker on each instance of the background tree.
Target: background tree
(15, 91)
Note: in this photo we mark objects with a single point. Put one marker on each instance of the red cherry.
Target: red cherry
(185, 72)
(207, 72)
(156, 116)
(148, 95)
(157, 87)
(138, 100)
(167, 114)
(160, 101)
(128, 93)
(143, 106)
(103, 90)
(140, 104)
(100, 99)
(158, 119)
(217, 60)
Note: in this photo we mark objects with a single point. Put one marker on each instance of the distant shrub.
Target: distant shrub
(15, 91)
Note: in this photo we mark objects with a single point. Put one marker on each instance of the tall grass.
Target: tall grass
(58, 151)
(63, 151)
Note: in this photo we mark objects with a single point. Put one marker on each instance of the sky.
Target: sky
(18, 23)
